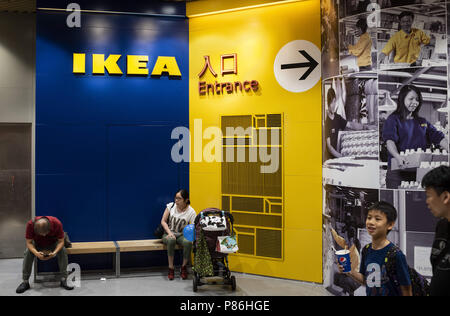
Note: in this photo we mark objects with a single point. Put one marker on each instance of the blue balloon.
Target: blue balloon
(189, 232)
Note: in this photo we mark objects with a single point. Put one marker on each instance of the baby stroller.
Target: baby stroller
(209, 225)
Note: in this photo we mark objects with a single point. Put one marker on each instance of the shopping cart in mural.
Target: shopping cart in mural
(214, 240)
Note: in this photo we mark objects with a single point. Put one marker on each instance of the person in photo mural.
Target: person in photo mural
(177, 215)
(407, 42)
(405, 129)
(362, 50)
(334, 122)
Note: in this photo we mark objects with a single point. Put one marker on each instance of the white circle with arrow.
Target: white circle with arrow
(297, 66)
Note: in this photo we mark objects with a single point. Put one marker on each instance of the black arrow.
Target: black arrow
(312, 64)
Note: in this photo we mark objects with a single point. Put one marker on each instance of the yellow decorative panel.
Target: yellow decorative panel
(246, 190)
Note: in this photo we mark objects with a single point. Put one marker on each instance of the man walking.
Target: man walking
(437, 187)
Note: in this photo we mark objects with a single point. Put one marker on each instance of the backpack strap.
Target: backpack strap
(391, 264)
(389, 260)
(365, 249)
(391, 256)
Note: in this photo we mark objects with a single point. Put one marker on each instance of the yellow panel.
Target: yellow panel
(303, 259)
(306, 215)
(307, 154)
(203, 194)
(244, 230)
(256, 35)
(258, 220)
(246, 244)
(269, 243)
(276, 209)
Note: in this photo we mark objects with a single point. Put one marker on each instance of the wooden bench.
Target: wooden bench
(82, 248)
(79, 248)
(115, 247)
(139, 245)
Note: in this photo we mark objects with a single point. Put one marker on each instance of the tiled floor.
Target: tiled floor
(156, 284)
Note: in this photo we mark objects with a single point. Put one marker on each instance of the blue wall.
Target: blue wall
(103, 143)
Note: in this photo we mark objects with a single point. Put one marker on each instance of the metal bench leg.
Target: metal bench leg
(117, 260)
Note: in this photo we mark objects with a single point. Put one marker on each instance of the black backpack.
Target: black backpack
(419, 284)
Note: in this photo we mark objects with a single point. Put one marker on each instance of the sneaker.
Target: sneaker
(171, 274)
(64, 285)
(184, 273)
(24, 286)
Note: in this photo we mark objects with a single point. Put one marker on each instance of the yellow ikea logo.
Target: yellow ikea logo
(136, 65)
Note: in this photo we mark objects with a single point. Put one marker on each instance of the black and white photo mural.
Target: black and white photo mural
(384, 124)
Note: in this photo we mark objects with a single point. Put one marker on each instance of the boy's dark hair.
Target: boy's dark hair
(362, 24)
(437, 179)
(406, 13)
(386, 208)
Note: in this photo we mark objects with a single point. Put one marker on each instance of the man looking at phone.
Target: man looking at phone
(45, 240)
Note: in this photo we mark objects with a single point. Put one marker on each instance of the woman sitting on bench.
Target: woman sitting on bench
(177, 215)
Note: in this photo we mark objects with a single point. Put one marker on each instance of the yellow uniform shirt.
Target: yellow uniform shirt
(362, 50)
(406, 46)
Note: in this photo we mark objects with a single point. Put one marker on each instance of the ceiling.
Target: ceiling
(27, 6)
(18, 6)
